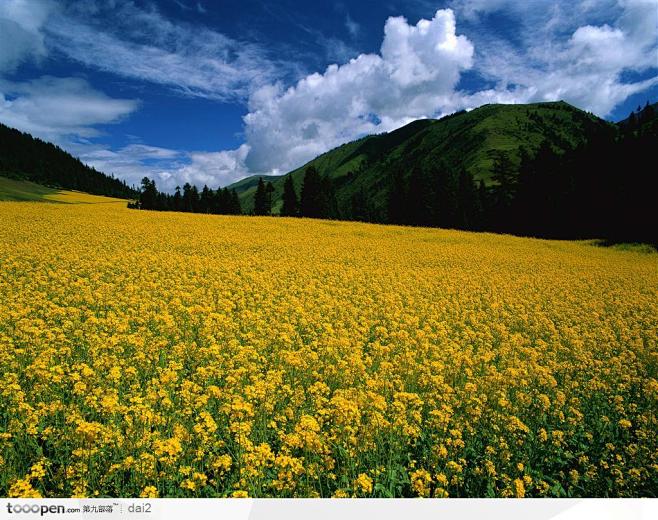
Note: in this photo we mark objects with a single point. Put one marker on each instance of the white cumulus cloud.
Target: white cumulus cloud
(168, 168)
(567, 51)
(211, 168)
(550, 53)
(592, 53)
(413, 76)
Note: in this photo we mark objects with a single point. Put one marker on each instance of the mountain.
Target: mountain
(470, 140)
(643, 120)
(23, 157)
(252, 182)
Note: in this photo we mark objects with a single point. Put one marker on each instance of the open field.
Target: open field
(19, 190)
(188, 355)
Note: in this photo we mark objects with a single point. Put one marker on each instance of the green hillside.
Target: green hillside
(13, 189)
(466, 139)
(250, 183)
(22, 191)
(643, 120)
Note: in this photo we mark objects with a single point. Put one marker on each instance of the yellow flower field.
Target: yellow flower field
(179, 355)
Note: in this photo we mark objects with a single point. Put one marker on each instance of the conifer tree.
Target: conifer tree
(328, 202)
(260, 199)
(269, 191)
(310, 205)
(188, 198)
(446, 201)
(468, 210)
(149, 194)
(205, 202)
(290, 202)
(178, 200)
(235, 207)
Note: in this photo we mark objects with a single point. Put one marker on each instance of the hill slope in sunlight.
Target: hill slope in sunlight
(472, 140)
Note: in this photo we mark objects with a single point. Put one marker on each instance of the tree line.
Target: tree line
(604, 188)
(221, 201)
(317, 198)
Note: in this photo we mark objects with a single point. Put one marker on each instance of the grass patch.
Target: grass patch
(22, 191)
(635, 247)
(17, 190)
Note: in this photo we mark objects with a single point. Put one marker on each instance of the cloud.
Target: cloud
(583, 52)
(414, 74)
(417, 73)
(474, 9)
(335, 50)
(139, 43)
(21, 23)
(169, 168)
(531, 12)
(130, 163)
(66, 110)
(134, 42)
(353, 28)
(142, 44)
(211, 168)
(561, 56)
(198, 7)
(59, 108)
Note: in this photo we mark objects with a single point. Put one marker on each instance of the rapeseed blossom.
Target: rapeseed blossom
(178, 355)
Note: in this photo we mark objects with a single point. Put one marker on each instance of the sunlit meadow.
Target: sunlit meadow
(148, 354)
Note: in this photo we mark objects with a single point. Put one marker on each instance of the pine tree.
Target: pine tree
(327, 200)
(505, 176)
(223, 201)
(446, 200)
(631, 122)
(148, 195)
(205, 202)
(178, 200)
(648, 114)
(269, 191)
(310, 205)
(260, 199)
(468, 210)
(235, 208)
(361, 209)
(188, 198)
(422, 198)
(194, 198)
(290, 202)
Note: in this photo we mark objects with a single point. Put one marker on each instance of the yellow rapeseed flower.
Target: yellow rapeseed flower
(276, 357)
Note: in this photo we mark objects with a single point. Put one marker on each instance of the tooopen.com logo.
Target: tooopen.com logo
(34, 509)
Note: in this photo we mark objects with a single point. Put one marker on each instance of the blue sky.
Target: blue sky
(208, 92)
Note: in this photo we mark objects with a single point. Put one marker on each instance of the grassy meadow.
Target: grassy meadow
(178, 355)
(22, 190)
